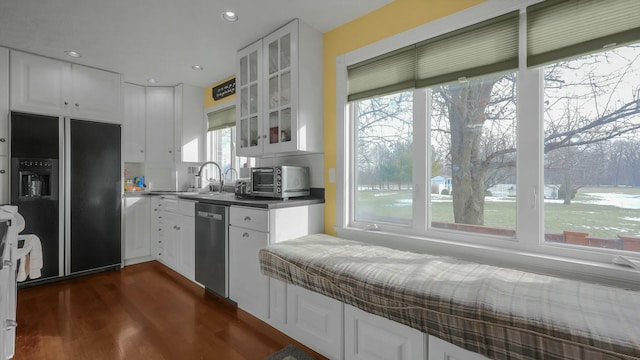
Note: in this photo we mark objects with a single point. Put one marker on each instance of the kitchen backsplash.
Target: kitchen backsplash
(171, 177)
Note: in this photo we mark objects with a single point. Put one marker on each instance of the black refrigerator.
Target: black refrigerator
(66, 182)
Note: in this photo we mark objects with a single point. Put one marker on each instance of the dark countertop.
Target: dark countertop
(230, 199)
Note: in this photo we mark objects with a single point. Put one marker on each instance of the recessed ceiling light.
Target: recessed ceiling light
(230, 16)
(197, 67)
(152, 81)
(74, 54)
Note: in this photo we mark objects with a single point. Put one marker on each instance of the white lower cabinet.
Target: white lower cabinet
(315, 320)
(247, 286)
(251, 229)
(136, 223)
(8, 298)
(371, 337)
(442, 350)
(173, 227)
(4, 180)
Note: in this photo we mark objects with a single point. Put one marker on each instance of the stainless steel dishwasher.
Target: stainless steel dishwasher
(212, 247)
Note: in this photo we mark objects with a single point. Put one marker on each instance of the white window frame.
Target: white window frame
(528, 250)
(234, 153)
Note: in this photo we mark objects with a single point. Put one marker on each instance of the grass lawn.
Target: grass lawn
(587, 213)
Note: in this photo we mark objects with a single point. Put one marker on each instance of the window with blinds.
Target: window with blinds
(568, 28)
(222, 119)
(487, 47)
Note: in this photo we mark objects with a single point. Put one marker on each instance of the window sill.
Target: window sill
(582, 270)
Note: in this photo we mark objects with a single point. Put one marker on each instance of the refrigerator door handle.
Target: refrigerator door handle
(66, 185)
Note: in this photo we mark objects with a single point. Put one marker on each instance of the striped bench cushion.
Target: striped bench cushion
(498, 312)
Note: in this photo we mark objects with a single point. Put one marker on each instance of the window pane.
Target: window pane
(592, 150)
(222, 149)
(473, 155)
(383, 143)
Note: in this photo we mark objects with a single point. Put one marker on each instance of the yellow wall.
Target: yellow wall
(208, 96)
(394, 18)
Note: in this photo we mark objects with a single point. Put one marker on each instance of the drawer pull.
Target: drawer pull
(10, 324)
(245, 235)
(247, 218)
(3, 140)
(2, 171)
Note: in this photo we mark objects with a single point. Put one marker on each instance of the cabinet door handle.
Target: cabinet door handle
(141, 151)
(10, 324)
(245, 235)
(170, 151)
(3, 139)
(3, 171)
(155, 209)
(77, 105)
(177, 227)
(66, 103)
(247, 218)
(159, 217)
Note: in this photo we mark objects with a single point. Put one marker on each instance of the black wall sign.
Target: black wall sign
(225, 89)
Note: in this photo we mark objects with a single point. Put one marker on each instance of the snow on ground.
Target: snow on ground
(624, 201)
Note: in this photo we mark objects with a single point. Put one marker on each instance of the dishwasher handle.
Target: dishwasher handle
(209, 215)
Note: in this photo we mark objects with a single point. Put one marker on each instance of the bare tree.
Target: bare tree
(588, 101)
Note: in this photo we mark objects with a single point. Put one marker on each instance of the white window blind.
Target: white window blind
(558, 29)
(222, 119)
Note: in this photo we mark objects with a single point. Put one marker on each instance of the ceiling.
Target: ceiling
(160, 39)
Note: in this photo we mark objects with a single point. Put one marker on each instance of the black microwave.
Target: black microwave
(280, 182)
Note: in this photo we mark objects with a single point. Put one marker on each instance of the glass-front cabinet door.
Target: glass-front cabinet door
(280, 65)
(249, 131)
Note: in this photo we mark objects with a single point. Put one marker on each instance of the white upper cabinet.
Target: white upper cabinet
(189, 123)
(279, 87)
(249, 108)
(96, 94)
(52, 87)
(134, 125)
(4, 128)
(160, 124)
(39, 84)
(4, 102)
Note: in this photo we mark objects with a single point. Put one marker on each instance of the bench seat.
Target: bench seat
(497, 312)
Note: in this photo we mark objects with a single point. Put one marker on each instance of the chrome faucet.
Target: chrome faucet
(232, 170)
(219, 172)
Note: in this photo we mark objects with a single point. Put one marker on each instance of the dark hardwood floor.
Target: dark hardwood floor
(144, 311)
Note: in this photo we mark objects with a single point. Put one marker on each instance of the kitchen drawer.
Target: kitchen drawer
(168, 204)
(249, 218)
(187, 207)
(174, 205)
